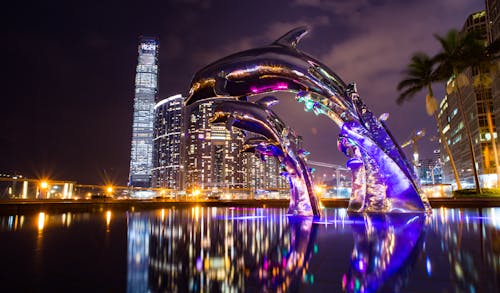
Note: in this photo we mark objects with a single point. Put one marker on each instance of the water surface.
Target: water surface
(255, 250)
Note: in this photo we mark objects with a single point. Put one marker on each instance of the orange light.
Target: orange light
(44, 184)
(319, 189)
(41, 221)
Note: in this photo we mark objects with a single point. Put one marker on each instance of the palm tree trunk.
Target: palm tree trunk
(494, 144)
(467, 130)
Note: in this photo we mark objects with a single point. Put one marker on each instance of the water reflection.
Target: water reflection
(224, 249)
(469, 245)
(218, 250)
(385, 251)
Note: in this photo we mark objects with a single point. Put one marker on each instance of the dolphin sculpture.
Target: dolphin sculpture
(391, 184)
(274, 139)
(386, 249)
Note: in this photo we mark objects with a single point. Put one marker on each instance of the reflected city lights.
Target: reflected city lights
(108, 219)
(265, 250)
(41, 221)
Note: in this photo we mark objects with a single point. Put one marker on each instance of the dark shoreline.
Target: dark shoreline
(11, 207)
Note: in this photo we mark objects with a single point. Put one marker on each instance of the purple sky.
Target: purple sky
(67, 111)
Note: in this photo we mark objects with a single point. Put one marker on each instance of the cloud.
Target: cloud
(384, 41)
(338, 7)
(273, 32)
(379, 47)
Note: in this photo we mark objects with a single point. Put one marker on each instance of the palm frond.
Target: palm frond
(408, 94)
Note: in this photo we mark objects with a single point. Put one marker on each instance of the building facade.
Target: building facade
(478, 105)
(264, 174)
(430, 171)
(212, 158)
(493, 27)
(167, 166)
(146, 92)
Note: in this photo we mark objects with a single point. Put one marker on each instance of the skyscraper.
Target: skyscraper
(478, 104)
(493, 27)
(264, 175)
(212, 158)
(167, 143)
(146, 92)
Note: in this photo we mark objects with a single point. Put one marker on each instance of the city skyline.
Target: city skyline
(72, 119)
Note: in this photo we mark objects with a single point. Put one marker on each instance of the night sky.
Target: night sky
(70, 66)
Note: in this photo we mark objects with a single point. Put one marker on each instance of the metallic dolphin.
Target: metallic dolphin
(391, 183)
(273, 139)
(277, 67)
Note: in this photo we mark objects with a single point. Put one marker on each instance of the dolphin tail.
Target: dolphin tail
(292, 38)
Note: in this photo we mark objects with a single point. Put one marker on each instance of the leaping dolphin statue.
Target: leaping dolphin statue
(274, 140)
(282, 67)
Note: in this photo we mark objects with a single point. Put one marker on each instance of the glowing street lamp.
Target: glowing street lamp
(319, 190)
(44, 185)
(109, 189)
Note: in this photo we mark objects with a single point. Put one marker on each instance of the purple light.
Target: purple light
(273, 87)
(245, 218)
(361, 266)
(199, 264)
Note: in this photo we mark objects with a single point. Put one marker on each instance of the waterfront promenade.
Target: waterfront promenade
(24, 206)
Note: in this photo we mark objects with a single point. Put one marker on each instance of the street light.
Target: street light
(43, 186)
(109, 190)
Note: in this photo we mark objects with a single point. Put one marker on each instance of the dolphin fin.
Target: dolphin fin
(292, 38)
(229, 123)
(267, 101)
(384, 117)
(220, 86)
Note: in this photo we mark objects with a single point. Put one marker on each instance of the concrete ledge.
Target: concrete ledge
(11, 207)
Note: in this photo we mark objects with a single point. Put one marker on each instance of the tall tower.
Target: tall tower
(167, 143)
(146, 92)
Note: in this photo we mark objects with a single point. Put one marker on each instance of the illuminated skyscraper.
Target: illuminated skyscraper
(264, 175)
(493, 26)
(479, 107)
(212, 158)
(146, 91)
(167, 143)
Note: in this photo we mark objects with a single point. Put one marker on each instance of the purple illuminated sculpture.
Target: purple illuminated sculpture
(386, 248)
(276, 140)
(383, 179)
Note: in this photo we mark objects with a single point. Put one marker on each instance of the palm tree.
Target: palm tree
(420, 75)
(458, 53)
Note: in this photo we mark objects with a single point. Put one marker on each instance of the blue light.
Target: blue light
(428, 266)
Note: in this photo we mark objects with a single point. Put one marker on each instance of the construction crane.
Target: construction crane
(415, 136)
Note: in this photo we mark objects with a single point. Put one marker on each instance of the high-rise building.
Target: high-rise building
(167, 143)
(477, 102)
(212, 158)
(430, 171)
(493, 27)
(264, 175)
(146, 92)
(493, 19)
